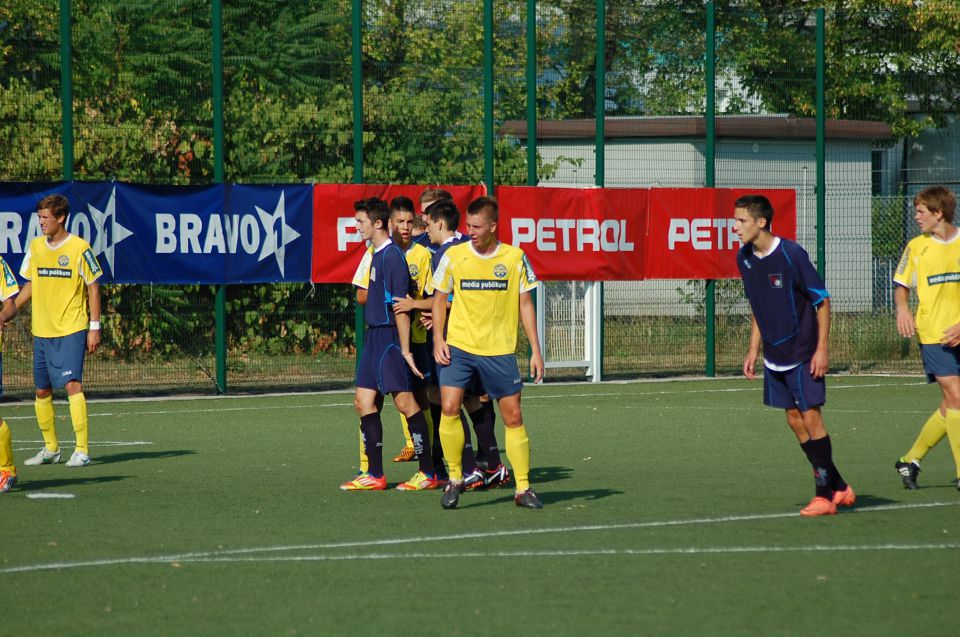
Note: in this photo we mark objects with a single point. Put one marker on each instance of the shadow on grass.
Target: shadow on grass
(547, 497)
(141, 455)
(540, 475)
(39, 485)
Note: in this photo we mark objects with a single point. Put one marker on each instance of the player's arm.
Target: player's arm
(93, 334)
(25, 293)
(403, 333)
(753, 350)
(8, 311)
(820, 362)
(528, 318)
(441, 353)
(362, 296)
(906, 324)
(407, 304)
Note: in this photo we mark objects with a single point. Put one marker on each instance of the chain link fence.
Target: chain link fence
(143, 100)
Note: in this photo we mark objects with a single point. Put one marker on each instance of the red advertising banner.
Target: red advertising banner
(337, 247)
(690, 234)
(576, 234)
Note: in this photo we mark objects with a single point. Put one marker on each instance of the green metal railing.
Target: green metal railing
(421, 91)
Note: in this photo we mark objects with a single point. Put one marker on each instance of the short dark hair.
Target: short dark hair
(434, 194)
(401, 204)
(375, 208)
(485, 204)
(758, 206)
(938, 199)
(446, 210)
(57, 204)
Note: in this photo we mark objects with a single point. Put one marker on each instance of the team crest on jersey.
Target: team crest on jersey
(776, 280)
(414, 270)
(63, 261)
(499, 270)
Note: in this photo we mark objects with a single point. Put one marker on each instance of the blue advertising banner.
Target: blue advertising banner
(174, 234)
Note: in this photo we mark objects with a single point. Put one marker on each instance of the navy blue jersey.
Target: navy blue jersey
(784, 290)
(389, 278)
(440, 250)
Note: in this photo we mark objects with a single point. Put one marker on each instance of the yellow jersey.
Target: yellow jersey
(418, 263)
(932, 267)
(8, 288)
(59, 278)
(486, 297)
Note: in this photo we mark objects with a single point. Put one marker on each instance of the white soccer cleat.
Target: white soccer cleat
(44, 457)
(78, 459)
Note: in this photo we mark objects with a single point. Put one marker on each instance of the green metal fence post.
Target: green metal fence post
(66, 88)
(488, 168)
(356, 56)
(710, 179)
(600, 114)
(821, 147)
(532, 178)
(220, 303)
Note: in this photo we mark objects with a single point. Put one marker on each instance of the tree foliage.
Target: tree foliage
(143, 93)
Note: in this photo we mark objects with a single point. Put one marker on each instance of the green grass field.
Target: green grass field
(671, 509)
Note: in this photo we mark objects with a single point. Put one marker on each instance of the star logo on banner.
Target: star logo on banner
(109, 230)
(277, 235)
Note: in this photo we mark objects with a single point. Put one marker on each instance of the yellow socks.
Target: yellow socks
(406, 431)
(953, 433)
(932, 432)
(78, 415)
(44, 410)
(518, 453)
(6, 450)
(364, 463)
(452, 441)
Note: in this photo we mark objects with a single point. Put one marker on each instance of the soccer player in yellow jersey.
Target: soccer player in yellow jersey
(61, 275)
(931, 265)
(8, 289)
(491, 284)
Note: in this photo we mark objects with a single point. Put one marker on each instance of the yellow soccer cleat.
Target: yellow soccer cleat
(406, 455)
(420, 482)
(365, 482)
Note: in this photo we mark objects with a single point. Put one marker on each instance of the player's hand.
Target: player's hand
(820, 363)
(404, 304)
(93, 339)
(951, 336)
(426, 321)
(750, 365)
(906, 325)
(536, 367)
(408, 356)
(441, 352)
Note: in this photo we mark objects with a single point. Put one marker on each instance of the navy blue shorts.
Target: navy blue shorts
(498, 375)
(793, 389)
(940, 360)
(423, 357)
(58, 360)
(381, 364)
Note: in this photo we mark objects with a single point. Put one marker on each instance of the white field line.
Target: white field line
(250, 554)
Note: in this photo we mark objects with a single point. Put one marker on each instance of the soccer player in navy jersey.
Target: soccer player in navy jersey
(386, 361)
(791, 317)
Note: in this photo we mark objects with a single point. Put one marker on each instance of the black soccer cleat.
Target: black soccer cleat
(958, 484)
(908, 473)
(528, 500)
(451, 495)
